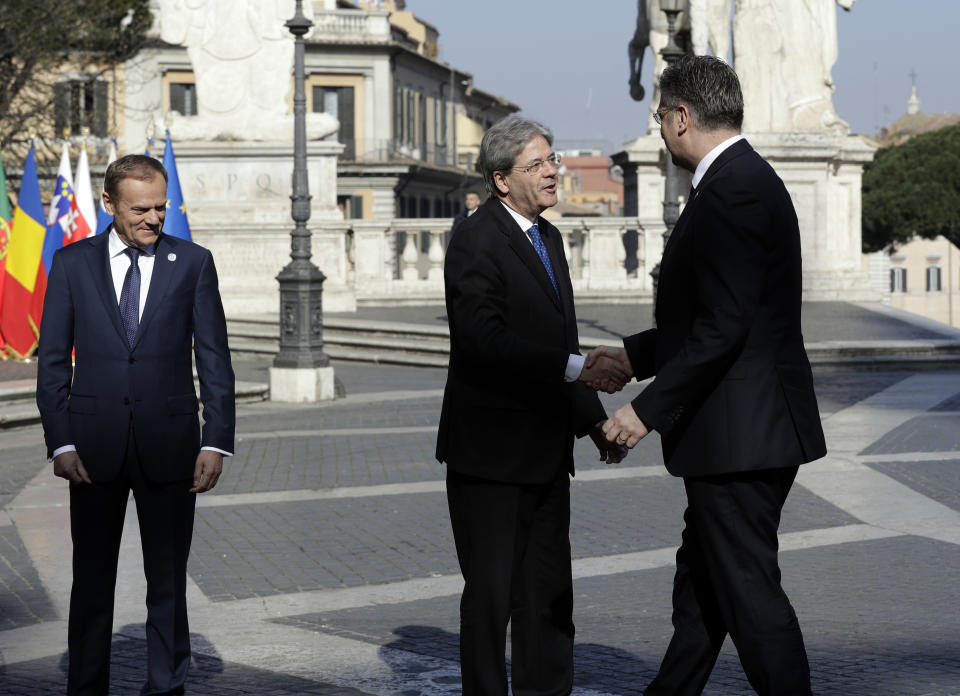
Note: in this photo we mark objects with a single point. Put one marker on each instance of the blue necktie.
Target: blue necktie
(541, 248)
(130, 296)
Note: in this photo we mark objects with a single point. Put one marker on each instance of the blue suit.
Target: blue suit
(133, 415)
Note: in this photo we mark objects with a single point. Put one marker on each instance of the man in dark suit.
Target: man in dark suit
(471, 202)
(733, 397)
(511, 409)
(133, 304)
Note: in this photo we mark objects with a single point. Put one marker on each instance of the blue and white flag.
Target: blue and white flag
(176, 224)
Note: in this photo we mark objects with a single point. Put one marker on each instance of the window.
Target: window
(898, 279)
(423, 127)
(398, 116)
(81, 103)
(183, 98)
(409, 127)
(338, 102)
(933, 279)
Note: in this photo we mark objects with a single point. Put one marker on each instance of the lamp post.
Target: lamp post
(671, 196)
(301, 370)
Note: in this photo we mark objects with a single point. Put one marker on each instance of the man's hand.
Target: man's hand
(69, 466)
(625, 428)
(207, 471)
(610, 452)
(607, 369)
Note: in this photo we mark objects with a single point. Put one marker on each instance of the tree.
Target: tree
(913, 190)
(39, 39)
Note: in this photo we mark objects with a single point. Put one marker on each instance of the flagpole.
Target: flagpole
(301, 370)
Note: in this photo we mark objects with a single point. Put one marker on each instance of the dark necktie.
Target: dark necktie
(130, 296)
(541, 248)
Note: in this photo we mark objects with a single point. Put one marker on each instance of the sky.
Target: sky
(565, 62)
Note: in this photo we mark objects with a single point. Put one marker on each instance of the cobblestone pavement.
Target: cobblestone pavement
(323, 563)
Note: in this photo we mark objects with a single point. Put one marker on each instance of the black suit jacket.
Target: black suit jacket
(91, 403)
(507, 413)
(733, 388)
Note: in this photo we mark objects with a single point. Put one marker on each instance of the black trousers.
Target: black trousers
(513, 544)
(165, 512)
(728, 581)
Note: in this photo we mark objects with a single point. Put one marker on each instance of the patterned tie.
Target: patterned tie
(541, 248)
(130, 296)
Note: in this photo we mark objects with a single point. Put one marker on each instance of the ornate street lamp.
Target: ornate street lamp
(300, 365)
(671, 199)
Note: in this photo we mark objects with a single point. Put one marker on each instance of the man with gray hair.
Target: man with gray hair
(513, 403)
(733, 397)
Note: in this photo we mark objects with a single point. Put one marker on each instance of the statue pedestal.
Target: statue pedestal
(822, 173)
(238, 203)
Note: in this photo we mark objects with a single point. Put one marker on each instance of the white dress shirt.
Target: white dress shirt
(710, 158)
(574, 362)
(119, 263)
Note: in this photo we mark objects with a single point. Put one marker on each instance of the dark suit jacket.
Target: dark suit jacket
(90, 404)
(733, 388)
(507, 413)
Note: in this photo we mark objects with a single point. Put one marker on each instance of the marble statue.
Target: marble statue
(706, 25)
(242, 56)
(784, 52)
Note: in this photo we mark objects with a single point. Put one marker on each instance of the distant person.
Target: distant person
(135, 306)
(511, 409)
(471, 201)
(733, 397)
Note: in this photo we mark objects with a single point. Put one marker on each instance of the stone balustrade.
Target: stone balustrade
(400, 260)
(353, 25)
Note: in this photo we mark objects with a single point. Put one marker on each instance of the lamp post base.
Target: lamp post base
(302, 384)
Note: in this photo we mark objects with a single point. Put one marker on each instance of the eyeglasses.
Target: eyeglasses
(535, 166)
(660, 113)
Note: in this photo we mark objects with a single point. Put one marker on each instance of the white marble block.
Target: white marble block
(302, 384)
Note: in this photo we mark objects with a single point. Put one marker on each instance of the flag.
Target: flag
(25, 280)
(175, 224)
(4, 239)
(65, 224)
(105, 219)
(84, 191)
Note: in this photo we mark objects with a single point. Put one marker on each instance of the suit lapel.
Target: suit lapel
(523, 247)
(164, 263)
(740, 147)
(98, 258)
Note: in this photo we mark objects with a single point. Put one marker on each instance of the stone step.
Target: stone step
(423, 344)
(18, 403)
(378, 342)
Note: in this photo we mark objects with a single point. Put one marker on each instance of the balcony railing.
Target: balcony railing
(350, 25)
(401, 260)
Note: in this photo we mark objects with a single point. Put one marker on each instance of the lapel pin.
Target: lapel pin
(171, 257)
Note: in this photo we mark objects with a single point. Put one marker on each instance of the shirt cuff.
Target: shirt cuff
(217, 449)
(60, 450)
(574, 368)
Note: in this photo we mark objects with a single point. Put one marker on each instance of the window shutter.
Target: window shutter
(61, 106)
(101, 109)
(345, 116)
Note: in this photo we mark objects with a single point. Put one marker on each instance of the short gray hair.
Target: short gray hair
(708, 87)
(503, 142)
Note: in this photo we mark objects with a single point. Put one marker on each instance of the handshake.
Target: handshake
(607, 368)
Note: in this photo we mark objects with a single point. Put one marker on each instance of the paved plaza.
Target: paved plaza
(324, 563)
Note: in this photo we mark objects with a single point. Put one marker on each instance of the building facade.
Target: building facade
(410, 125)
